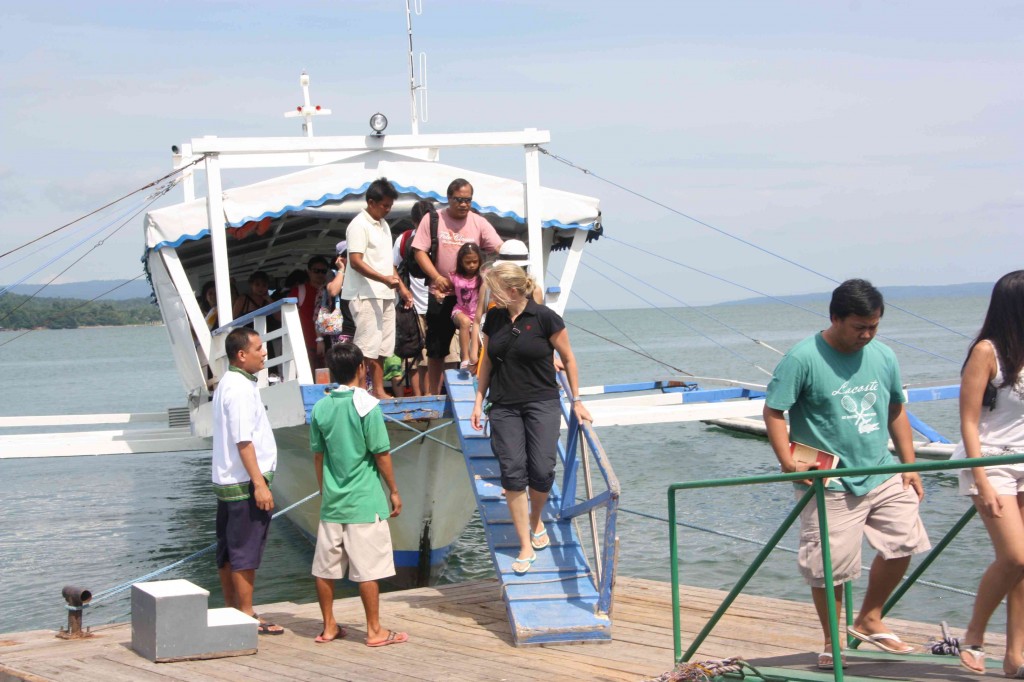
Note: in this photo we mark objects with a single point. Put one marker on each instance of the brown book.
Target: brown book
(813, 458)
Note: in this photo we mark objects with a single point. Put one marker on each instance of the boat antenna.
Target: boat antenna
(416, 89)
(306, 110)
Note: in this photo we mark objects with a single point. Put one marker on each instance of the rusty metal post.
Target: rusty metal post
(76, 598)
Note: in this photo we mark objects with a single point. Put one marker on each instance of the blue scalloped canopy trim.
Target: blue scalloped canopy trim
(349, 191)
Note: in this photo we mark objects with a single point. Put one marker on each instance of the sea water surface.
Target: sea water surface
(98, 522)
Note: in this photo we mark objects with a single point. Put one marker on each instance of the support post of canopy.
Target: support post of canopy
(218, 239)
(533, 208)
(569, 270)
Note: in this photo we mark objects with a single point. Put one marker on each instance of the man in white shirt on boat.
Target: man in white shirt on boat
(457, 225)
(840, 386)
(372, 279)
(244, 461)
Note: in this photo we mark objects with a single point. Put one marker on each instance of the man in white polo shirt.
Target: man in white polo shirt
(244, 461)
(372, 279)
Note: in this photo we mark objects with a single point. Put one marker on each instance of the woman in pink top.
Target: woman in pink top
(466, 282)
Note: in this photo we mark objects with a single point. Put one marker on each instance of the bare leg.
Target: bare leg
(820, 597)
(419, 381)
(435, 370)
(227, 586)
(464, 324)
(519, 510)
(885, 576)
(325, 596)
(537, 502)
(369, 593)
(242, 582)
(375, 370)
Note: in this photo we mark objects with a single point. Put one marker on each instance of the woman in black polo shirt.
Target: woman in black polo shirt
(520, 337)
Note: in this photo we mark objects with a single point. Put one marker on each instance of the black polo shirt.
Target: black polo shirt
(522, 370)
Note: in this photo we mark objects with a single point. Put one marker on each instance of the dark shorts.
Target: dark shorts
(241, 533)
(524, 439)
(440, 328)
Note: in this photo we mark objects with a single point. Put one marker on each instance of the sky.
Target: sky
(855, 139)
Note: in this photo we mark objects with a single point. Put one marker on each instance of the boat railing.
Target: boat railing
(816, 492)
(580, 448)
(290, 355)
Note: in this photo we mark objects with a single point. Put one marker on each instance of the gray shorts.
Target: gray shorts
(524, 439)
(887, 516)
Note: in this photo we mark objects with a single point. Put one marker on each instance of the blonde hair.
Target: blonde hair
(502, 276)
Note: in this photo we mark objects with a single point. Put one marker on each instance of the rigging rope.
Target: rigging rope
(779, 300)
(677, 319)
(152, 200)
(176, 171)
(730, 235)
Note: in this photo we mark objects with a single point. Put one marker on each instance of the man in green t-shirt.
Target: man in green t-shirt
(351, 453)
(840, 388)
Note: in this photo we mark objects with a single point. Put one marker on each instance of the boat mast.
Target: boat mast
(306, 110)
(414, 88)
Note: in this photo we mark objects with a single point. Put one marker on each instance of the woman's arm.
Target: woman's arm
(979, 370)
(334, 286)
(474, 333)
(483, 380)
(560, 340)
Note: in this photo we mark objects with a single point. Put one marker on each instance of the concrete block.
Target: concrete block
(170, 622)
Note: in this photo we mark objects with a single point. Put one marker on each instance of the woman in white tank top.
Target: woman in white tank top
(992, 423)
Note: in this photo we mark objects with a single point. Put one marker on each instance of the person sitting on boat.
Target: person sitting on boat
(257, 297)
(244, 461)
(351, 454)
(841, 387)
(992, 423)
(520, 338)
(308, 295)
(457, 225)
(372, 281)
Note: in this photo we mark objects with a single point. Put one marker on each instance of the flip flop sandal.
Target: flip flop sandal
(392, 638)
(535, 537)
(826, 662)
(528, 562)
(339, 633)
(886, 641)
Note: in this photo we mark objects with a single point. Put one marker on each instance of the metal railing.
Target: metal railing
(817, 492)
(581, 446)
(293, 360)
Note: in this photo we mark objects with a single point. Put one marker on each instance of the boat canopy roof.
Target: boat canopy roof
(335, 192)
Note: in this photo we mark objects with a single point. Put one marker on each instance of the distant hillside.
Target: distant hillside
(86, 290)
(894, 293)
(20, 312)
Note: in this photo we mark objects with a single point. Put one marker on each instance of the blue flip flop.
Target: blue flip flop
(534, 537)
(528, 562)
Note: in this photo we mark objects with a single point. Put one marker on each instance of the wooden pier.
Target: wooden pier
(461, 632)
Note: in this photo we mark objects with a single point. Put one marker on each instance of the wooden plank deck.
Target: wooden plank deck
(462, 632)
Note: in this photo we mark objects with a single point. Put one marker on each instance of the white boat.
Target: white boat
(275, 226)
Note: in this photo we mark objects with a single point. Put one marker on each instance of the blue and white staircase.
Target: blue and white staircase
(557, 600)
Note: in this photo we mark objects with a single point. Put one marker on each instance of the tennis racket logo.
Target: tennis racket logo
(861, 413)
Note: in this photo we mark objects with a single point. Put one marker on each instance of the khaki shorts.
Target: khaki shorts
(454, 354)
(361, 549)
(887, 516)
(1006, 479)
(375, 326)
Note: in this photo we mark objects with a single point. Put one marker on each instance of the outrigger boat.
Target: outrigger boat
(275, 226)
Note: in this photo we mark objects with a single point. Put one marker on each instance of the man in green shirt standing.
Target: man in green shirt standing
(840, 386)
(351, 453)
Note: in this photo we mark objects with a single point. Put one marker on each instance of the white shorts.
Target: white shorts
(1007, 479)
(375, 326)
(361, 549)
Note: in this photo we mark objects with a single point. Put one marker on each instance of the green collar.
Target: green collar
(250, 377)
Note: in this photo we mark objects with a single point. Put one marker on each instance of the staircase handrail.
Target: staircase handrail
(581, 436)
(293, 360)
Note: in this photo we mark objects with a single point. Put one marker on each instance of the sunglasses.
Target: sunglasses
(319, 271)
(462, 200)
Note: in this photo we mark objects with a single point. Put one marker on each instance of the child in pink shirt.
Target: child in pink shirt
(466, 282)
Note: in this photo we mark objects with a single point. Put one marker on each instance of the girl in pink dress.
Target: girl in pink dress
(466, 282)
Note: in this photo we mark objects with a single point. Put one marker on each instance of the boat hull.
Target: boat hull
(437, 501)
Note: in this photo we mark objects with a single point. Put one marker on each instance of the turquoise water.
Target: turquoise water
(100, 521)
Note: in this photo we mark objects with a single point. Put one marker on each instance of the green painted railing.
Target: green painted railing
(816, 491)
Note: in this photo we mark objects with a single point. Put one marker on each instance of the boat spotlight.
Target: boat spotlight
(378, 122)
